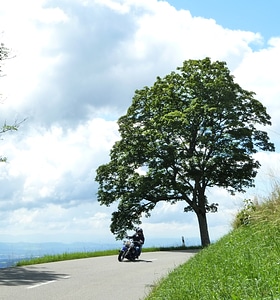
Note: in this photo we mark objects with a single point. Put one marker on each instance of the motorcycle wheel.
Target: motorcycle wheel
(121, 256)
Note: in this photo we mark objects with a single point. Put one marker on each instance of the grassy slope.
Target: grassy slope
(245, 264)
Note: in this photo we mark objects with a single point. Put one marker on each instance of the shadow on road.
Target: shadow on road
(24, 276)
(138, 260)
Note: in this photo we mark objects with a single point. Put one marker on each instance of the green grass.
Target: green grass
(79, 255)
(245, 264)
(64, 256)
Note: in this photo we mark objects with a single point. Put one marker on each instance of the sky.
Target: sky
(74, 69)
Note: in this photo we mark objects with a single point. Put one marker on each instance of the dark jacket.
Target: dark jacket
(138, 237)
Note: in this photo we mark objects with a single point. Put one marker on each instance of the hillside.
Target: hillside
(245, 264)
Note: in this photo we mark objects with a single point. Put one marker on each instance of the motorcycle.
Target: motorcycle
(129, 250)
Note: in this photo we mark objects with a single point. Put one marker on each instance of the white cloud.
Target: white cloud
(73, 75)
(57, 165)
(259, 72)
(116, 6)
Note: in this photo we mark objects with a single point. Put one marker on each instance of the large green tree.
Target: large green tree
(193, 129)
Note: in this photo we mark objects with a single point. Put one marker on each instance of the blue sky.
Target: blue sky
(257, 16)
(75, 67)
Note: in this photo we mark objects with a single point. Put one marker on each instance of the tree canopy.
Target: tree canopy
(195, 128)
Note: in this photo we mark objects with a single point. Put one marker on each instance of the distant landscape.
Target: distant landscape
(10, 253)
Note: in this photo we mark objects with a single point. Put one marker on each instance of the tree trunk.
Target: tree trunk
(203, 228)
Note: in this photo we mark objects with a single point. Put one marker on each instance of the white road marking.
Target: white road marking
(45, 283)
(40, 284)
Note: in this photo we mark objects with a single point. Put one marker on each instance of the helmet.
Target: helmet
(138, 229)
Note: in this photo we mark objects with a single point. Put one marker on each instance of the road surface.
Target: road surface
(99, 278)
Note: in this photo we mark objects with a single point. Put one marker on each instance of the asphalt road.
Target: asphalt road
(99, 278)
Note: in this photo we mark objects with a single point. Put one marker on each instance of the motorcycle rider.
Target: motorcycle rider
(139, 239)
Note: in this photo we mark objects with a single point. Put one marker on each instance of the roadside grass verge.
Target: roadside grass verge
(64, 256)
(244, 264)
(80, 255)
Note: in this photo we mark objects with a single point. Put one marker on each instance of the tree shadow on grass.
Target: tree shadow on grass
(27, 276)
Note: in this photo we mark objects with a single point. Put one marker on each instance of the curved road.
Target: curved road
(96, 278)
